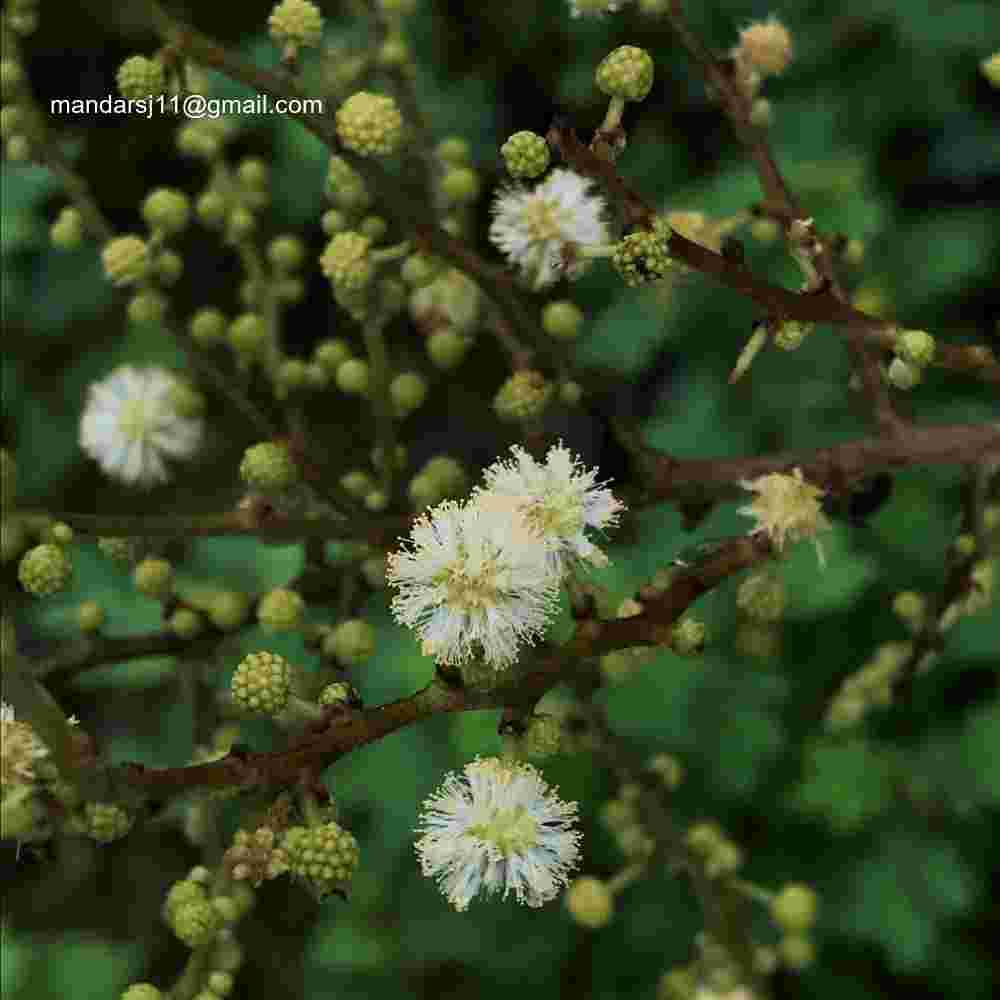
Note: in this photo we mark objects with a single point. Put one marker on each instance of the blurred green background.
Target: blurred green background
(889, 134)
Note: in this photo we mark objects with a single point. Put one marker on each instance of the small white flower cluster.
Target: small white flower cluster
(485, 576)
(541, 230)
(498, 826)
(131, 421)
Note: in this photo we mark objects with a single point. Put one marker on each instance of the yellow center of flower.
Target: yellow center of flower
(133, 421)
(511, 831)
(559, 516)
(542, 219)
(472, 592)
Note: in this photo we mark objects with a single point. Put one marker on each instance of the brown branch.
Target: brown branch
(352, 729)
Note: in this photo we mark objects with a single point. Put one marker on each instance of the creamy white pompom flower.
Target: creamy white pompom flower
(540, 229)
(559, 500)
(498, 826)
(130, 424)
(473, 582)
(20, 748)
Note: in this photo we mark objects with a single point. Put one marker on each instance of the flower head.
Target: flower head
(538, 229)
(786, 507)
(20, 747)
(498, 826)
(130, 422)
(473, 580)
(558, 499)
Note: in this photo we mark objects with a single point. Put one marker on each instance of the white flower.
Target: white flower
(130, 423)
(498, 826)
(594, 8)
(538, 230)
(19, 749)
(786, 507)
(558, 499)
(473, 580)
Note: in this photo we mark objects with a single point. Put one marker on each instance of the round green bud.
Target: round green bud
(625, 73)
(227, 955)
(910, 607)
(420, 269)
(67, 231)
(46, 569)
(791, 334)
(166, 209)
(408, 390)
(125, 259)
(667, 768)
(448, 474)
(525, 154)
(253, 173)
(794, 908)
(280, 609)
(207, 327)
(12, 120)
(373, 570)
(761, 597)
(423, 492)
(339, 693)
(916, 347)
(227, 908)
(154, 578)
(228, 610)
(523, 396)
(542, 736)
(11, 78)
(106, 821)
(324, 856)
(393, 52)
(797, 951)
(370, 124)
(295, 22)
(964, 545)
(211, 207)
(220, 983)
(90, 616)
(262, 683)
(286, 253)
(345, 186)
(351, 642)
(765, 230)
(990, 68)
(562, 320)
(240, 224)
(58, 533)
(139, 77)
(331, 353)
(201, 139)
(142, 991)
(461, 185)
(291, 375)
(268, 467)
(590, 902)
(119, 550)
(357, 482)
(644, 255)
(17, 149)
(570, 393)
(374, 227)
(169, 266)
(334, 222)
(688, 637)
(186, 400)
(185, 623)
(196, 923)
(761, 113)
(447, 349)
(903, 375)
(180, 893)
(352, 376)
(148, 306)
(453, 150)
(14, 538)
(677, 984)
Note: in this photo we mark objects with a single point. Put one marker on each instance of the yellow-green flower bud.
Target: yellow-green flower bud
(562, 320)
(345, 186)
(669, 769)
(797, 951)
(46, 569)
(268, 467)
(542, 736)
(677, 984)
(185, 623)
(67, 231)
(352, 376)
(148, 306)
(142, 991)
(991, 69)
(523, 396)
(370, 124)
(106, 821)
(910, 607)
(347, 263)
(154, 578)
(351, 642)
(90, 616)
(196, 923)
(791, 334)
(240, 224)
(453, 150)
(644, 255)
(903, 375)
(207, 327)
(339, 693)
(794, 908)
(139, 77)
(169, 266)
(447, 349)
(286, 253)
(408, 391)
(124, 259)
(228, 610)
(326, 856)
(525, 154)
(220, 984)
(262, 683)
(590, 902)
(211, 207)
(280, 609)
(625, 73)
(915, 347)
(120, 550)
(166, 209)
(688, 637)
(295, 22)
(461, 185)
(331, 353)
(762, 597)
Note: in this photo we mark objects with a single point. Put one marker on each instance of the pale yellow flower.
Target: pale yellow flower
(786, 507)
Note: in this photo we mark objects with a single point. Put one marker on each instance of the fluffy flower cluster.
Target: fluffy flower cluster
(540, 230)
(496, 827)
(483, 577)
(786, 507)
(19, 749)
(131, 422)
